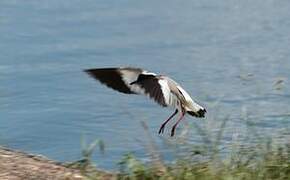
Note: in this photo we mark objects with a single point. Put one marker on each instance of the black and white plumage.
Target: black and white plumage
(162, 89)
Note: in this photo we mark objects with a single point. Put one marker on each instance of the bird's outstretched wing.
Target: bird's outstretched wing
(133, 81)
(116, 78)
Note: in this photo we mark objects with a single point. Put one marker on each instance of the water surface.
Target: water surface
(227, 54)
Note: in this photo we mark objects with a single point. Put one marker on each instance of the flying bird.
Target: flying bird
(162, 89)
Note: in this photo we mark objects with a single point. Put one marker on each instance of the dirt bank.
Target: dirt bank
(16, 165)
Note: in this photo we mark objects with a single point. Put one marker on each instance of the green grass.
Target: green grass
(262, 160)
(246, 164)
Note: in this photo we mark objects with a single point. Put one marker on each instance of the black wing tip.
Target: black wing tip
(99, 69)
(110, 77)
(88, 71)
(94, 71)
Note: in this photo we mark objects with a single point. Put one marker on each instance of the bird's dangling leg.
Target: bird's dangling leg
(161, 130)
(180, 118)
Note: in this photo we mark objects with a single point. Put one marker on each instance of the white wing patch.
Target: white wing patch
(148, 73)
(169, 97)
(165, 90)
(185, 94)
(129, 77)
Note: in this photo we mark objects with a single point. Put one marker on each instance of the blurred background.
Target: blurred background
(231, 56)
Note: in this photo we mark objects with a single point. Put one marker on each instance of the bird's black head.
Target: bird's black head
(200, 113)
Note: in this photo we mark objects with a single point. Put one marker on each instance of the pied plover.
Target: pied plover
(164, 90)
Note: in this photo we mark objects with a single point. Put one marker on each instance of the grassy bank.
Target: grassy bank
(250, 163)
(246, 164)
(264, 159)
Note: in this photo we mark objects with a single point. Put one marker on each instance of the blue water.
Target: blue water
(227, 54)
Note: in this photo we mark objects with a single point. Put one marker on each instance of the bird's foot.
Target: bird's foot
(161, 130)
(172, 131)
